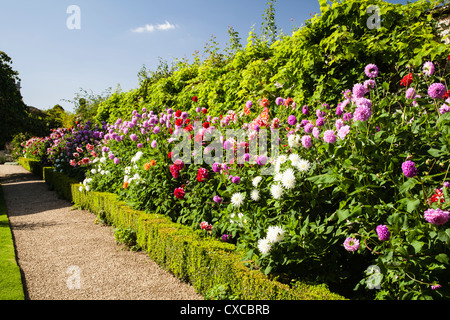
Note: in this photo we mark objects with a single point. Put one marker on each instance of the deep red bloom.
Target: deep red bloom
(187, 121)
(446, 94)
(206, 125)
(170, 155)
(189, 128)
(407, 80)
(179, 165)
(178, 113)
(202, 175)
(179, 193)
(206, 226)
(204, 110)
(178, 122)
(195, 99)
(174, 171)
(437, 197)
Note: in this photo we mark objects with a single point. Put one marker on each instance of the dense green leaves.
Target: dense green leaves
(312, 65)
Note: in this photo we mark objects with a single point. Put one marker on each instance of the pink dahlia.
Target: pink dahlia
(371, 70)
(410, 93)
(306, 142)
(409, 169)
(329, 136)
(428, 68)
(343, 132)
(359, 90)
(351, 244)
(362, 113)
(436, 216)
(383, 233)
(436, 90)
(444, 109)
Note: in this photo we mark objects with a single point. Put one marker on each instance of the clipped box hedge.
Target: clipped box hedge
(205, 263)
(33, 166)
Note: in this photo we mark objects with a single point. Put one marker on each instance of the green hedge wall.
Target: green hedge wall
(33, 166)
(203, 262)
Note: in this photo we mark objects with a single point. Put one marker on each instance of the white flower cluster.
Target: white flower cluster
(137, 157)
(98, 169)
(239, 219)
(129, 170)
(275, 234)
(294, 141)
(86, 185)
(237, 199)
(286, 180)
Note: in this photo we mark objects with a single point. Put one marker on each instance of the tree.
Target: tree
(86, 104)
(269, 27)
(13, 111)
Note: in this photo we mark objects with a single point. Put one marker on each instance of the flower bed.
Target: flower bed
(204, 262)
(351, 193)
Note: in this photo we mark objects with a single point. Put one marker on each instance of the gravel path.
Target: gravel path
(65, 255)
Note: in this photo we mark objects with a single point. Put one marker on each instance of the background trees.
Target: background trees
(13, 111)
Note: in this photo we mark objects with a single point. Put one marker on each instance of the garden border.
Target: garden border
(204, 263)
(11, 284)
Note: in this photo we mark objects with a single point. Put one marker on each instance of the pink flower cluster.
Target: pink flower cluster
(436, 216)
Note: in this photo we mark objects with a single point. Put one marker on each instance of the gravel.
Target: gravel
(65, 255)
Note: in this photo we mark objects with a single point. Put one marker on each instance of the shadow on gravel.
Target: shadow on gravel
(26, 194)
(18, 177)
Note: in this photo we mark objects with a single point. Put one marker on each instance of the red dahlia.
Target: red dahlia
(179, 193)
(407, 80)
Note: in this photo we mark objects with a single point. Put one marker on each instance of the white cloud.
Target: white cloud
(165, 26)
(150, 28)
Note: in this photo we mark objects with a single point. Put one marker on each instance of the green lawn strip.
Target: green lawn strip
(11, 287)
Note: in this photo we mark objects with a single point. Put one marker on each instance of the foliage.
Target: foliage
(12, 108)
(126, 237)
(86, 103)
(326, 54)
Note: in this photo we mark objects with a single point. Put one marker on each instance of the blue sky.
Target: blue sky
(117, 37)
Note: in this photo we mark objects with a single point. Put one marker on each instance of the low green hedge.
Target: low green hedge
(204, 262)
(33, 166)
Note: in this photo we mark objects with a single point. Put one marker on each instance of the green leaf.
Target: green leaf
(435, 153)
(343, 214)
(323, 179)
(443, 258)
(412, 205)
(417, 245)
(408, 185)
(444, 235)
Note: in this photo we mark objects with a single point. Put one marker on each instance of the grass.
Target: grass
(11, 287)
